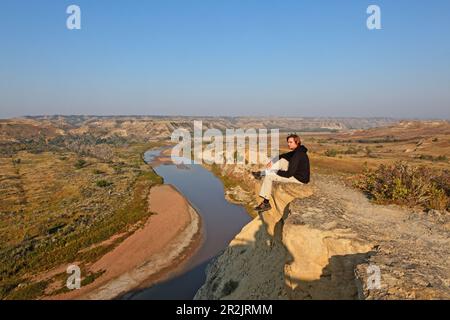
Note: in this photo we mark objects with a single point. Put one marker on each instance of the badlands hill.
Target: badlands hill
(147, 127)
(323, 241)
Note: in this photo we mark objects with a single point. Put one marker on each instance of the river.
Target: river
(221, 221)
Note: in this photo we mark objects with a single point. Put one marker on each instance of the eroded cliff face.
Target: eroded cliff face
(326, 241)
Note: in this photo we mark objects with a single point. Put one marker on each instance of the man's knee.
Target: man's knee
(284, 164)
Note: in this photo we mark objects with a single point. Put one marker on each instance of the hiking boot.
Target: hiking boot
(257, 175)
(264, 206)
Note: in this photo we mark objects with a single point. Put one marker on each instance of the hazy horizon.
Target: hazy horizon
(226, 58)
(222, 116)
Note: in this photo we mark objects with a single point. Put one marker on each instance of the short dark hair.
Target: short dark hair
(295, 137)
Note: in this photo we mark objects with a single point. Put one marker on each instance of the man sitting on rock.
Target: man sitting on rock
(292, 167)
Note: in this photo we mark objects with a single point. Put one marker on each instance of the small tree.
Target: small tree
(103, 183)
(331, 153)
(81, 163)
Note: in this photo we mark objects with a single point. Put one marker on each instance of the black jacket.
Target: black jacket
(298, 164)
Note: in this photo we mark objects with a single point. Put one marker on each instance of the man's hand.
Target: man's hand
(269, 165)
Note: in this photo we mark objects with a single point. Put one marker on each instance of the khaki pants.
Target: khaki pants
(271, 176)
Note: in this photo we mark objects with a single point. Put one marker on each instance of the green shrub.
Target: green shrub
(81, 163)
(7, 286)
(103, 183)
(407, 185)
(91, 278)
(29, 291)
(351, 150)
(334, 152)
(369, 153)
(431, 158)
(441, 158)
(425, 157)
(331, 153)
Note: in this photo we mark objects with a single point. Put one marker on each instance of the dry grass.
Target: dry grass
(417, 143)
(422, 148)
(51, 209)
(407, 185)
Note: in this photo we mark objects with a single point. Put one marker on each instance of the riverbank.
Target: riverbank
(221, 221)
(169, 237)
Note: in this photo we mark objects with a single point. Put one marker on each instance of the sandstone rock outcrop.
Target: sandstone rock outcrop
(326, 241)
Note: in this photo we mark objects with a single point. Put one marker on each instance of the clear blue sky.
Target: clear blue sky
(225, 57)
